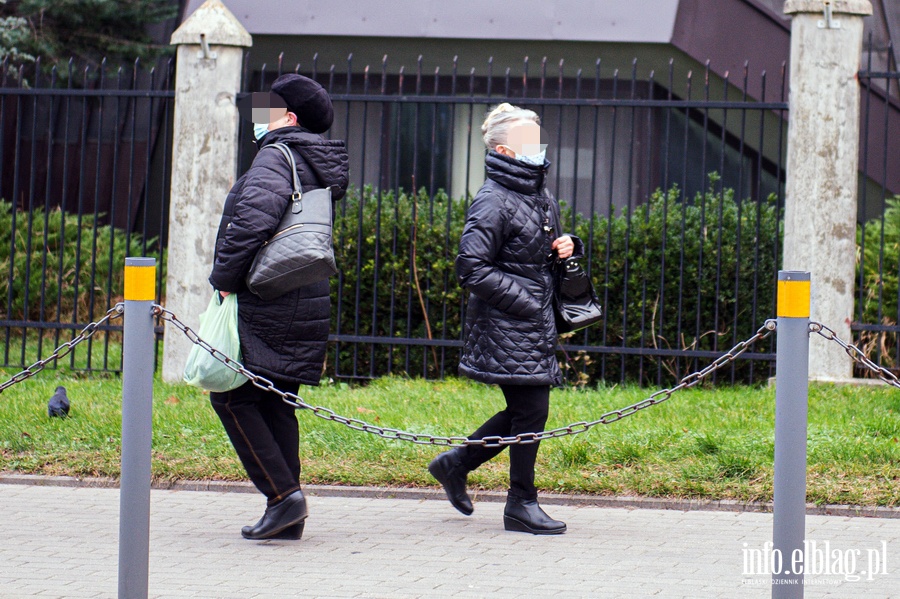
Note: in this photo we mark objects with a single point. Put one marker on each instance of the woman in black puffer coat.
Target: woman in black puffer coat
(282, 339)
(510, 240)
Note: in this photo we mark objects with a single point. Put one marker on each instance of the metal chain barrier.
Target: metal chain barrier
(493, 441)
(295, 401)
(855, 354)
(64, 349)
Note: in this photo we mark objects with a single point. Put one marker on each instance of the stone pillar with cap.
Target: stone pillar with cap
(210, 53)
(822, 165)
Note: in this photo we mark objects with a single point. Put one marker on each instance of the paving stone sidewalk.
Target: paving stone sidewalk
(63, 542)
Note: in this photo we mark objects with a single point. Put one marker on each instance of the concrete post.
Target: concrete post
(211, 45)
(791, 402)
(822, 165)
(137, 428)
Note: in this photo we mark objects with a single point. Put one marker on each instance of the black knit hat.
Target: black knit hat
(307, 99)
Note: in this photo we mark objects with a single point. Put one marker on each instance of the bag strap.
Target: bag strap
(297, 194)
(547, 225)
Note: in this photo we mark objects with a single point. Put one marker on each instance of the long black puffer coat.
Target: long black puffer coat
(510, 331)
(284, 338)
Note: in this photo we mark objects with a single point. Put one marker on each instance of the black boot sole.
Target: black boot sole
(284, 532)
(294, 532)
(512, 524)
(440, 475)
(291, 533)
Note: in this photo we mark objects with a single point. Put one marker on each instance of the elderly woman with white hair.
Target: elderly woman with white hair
(511, 239)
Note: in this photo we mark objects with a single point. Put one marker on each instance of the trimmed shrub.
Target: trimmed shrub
(674, 275)
(71, 262)
(397, 252)
(878, 263)
(696, 275)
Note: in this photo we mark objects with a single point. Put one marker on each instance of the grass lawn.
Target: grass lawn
(711, 443)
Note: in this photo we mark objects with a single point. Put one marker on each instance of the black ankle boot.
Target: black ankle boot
(291, 533)
(448, 471)
(287, 513)
(525, 515)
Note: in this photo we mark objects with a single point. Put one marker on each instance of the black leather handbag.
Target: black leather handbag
(574, 302)
(301, 251)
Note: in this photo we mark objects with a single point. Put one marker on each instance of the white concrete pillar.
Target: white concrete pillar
(822, 166)
(211, 46)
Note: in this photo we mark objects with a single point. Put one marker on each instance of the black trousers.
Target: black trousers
(263, 430)
(526, 411)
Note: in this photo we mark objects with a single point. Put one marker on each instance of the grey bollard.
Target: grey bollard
(791, 398)
(137, 413)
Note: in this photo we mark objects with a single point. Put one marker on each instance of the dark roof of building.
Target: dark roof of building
(726, 32)
(563, 20)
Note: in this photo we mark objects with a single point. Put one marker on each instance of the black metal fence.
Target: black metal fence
(673, 181)
(84, 171)
(673, 178)
(877, 321)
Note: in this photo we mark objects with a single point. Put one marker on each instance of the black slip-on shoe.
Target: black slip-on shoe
(291, 533)
(289, 512)
(448, 471)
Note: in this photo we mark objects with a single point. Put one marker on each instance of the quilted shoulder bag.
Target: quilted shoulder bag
(301, 251)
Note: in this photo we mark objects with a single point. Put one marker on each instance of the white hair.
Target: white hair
(495, 129)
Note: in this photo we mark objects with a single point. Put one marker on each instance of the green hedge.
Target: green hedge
(728, 255)
(382, 241)
(878, 301)
(728, 249)
(56, 259)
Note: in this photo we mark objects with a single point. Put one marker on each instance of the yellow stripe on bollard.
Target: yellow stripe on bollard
(793, 299)
(140, 283)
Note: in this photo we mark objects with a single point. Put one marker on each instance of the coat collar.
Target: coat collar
(286, 135)
(516, 175)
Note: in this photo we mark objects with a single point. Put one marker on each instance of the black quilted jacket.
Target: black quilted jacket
(284, 338)
(510, 331)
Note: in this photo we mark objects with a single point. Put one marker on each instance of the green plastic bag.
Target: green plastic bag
(219, 328)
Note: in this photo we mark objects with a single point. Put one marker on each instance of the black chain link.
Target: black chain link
(494, 441)
(855, 354)
(64, 349)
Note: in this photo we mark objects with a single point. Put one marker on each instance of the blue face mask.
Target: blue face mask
(533, 159)
(260, 130)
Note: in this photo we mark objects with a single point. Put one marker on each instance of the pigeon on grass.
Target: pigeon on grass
(59, 403)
